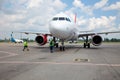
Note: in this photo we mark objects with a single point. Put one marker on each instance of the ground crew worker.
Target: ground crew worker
(25, 45)
(51, 44)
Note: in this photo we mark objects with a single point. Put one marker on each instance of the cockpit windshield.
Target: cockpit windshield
(61, 19)
(55, 18)
(68, 19)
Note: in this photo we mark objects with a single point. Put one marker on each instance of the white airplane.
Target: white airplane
(16, 40)
(63, 28)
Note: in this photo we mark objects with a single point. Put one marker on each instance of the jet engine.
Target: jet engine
(96, 40)
(41, 39)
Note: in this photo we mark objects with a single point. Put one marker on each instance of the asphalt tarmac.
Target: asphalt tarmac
(75, 63)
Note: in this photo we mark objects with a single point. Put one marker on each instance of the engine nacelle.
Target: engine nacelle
(96, 40)
(41, 39)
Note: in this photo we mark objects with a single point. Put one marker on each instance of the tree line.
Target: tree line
(111, 40)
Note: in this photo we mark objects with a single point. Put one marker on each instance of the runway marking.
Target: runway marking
(81, 60)
(60, 63)
(10, 54)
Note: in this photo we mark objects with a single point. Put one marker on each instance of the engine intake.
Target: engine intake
(96, 40)
(41, 39)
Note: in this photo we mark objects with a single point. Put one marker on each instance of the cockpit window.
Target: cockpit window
(61, 18)
(55, 18)
(68, 19)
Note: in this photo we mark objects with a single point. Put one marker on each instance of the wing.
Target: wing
(37, 33)
(96, 39)
(93, 33)
(41, 37)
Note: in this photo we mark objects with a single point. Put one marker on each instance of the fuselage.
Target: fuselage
(16, 40)
(62, 27)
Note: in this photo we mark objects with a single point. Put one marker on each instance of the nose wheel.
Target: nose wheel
(62, 48)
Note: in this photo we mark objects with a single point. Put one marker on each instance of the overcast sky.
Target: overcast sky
(34, 15)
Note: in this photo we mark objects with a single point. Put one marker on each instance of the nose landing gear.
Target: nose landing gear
(62, 47)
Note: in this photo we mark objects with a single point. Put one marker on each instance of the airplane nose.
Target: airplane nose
(58, 29)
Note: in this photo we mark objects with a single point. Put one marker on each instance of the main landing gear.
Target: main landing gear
(86, 43)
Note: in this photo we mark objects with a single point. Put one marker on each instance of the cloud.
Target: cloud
(34, 3)
(119, 26)
(83, 7)
(100, 4)
(59, 5)
(12, 7)
(89, 9)
(99, 24)
(28, 14)
(115, 6)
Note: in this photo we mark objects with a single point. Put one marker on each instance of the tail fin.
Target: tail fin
(12, 39)
(75, 18)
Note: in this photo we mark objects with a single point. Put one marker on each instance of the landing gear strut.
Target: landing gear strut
(62, 47)
(86, 43)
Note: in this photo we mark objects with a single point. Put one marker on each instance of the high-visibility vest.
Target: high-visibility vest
(51, 43)
(25, 43)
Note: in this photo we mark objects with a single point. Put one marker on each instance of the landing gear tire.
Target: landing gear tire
(62, 48)
(86, 45)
